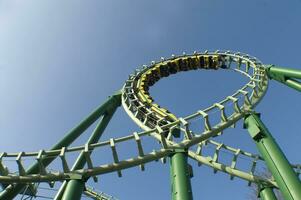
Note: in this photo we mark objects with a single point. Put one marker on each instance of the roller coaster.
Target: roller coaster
(177, 140)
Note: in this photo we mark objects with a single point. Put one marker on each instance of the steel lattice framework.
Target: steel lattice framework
(177, 140)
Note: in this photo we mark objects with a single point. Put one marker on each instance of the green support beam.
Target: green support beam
(180, 176)
(266, 193)
(81, 160)
(286, 178)
(285, 76)
(74, 190)
(11, 191)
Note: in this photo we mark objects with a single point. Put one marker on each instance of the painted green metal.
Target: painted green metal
(12, 191)
(287, 180)
(180, 177)
(266, 193)
(285, 76)
(74, 190)
(248, 176)
(97, 195)
(97, 133)
(180, 171)
(293, 84)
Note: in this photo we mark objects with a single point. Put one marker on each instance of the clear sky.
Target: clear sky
(61, 59)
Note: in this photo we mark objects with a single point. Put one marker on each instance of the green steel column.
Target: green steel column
(293, 84)
(74, 190)
(12, 191)
(285, 75)
(80, 161)
(286, 178)
(281, 71)
(180, 177)
(266, 193)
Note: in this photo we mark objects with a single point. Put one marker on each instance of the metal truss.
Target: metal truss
(178, 141)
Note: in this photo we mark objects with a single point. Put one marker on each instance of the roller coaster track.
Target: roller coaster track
(159, 125)
(90, 192)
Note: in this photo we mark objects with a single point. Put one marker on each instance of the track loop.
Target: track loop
(148, 115)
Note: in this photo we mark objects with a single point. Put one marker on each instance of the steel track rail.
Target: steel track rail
(146, 117)
(132, 162)
(163, 126)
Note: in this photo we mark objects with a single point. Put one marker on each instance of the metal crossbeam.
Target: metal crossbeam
(165, 128)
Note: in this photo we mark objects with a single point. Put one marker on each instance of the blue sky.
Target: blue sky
(61, 59)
